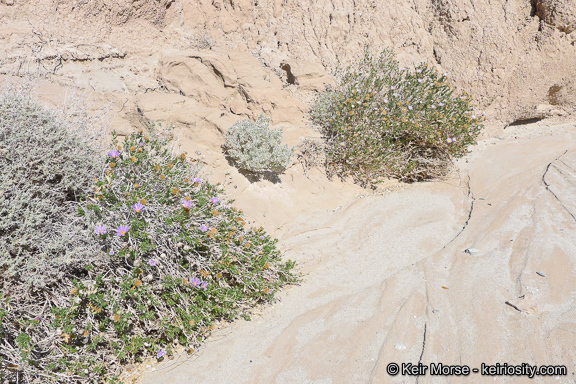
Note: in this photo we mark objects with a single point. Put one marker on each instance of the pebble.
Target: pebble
(400, 346)
(541, 274)
(471, 251)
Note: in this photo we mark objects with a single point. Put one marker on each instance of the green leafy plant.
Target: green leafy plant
(255, 148)
(165, 260)
(383, 121)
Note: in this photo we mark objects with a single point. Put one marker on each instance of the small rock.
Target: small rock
(471, 251)
(435, 310)
(400, 346)
(541, 274)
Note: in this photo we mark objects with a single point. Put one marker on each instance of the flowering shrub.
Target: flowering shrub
(164, 258)
(255, 148)
(383, 121)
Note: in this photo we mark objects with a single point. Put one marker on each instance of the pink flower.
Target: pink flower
(100, 230)
(121, 230)
(113, 153)
(137, 207)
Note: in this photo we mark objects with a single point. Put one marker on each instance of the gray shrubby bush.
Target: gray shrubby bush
(46, 168)
(256, 148)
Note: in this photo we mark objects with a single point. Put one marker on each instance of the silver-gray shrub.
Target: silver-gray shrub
(256, 148)
(46, 166)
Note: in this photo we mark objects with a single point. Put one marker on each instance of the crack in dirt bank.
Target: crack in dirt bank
(547, 185)
(423, 348)
(469, 195)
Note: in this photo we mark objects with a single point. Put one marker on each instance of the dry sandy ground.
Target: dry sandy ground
(387, 279)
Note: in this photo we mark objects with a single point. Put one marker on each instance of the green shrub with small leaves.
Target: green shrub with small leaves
(255, 148)
(168, 261)
(384, 121)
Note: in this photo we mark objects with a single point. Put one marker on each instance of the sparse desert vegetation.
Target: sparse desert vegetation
(134, 257)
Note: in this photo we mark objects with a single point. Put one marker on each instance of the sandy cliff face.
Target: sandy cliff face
(512, 56)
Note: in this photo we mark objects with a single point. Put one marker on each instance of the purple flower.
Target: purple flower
(111, 253)
(186, 203)
(160, 354)
(195, 282)
(453, 139)
(448, 140)
(113, 153)
(441, 104)
(137, 207)
(37, 319)
(433, 106)
(204, 285)
(196, 180)
(393, 87)
(121, 230)
(151, 262)
(141, 144)
(203, 227)
(214, 200)
(262, 237)
(224, 207)
(187, 225)
(410, 107)
(100, 230)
